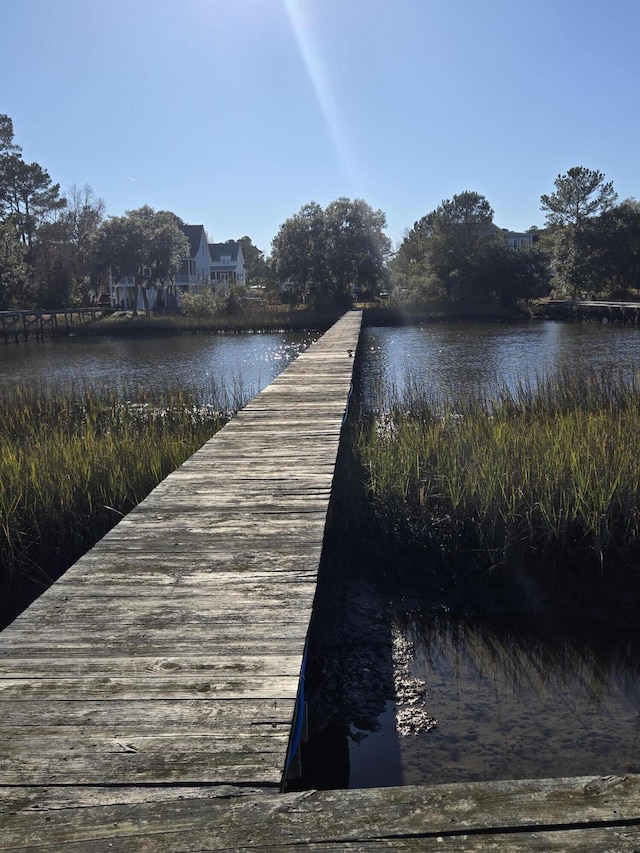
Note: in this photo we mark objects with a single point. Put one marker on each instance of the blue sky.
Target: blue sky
(235, 113)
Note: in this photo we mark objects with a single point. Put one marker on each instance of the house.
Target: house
(520, 239)
(227, 263)
(194, 274)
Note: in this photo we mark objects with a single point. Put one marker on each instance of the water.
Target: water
(529, 700)
(240, 365)
(451, 356)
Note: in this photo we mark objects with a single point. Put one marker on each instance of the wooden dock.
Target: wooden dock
(41, 323)
(601, 311)
(147, 700)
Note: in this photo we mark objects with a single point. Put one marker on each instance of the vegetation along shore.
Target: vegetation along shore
(532, 495)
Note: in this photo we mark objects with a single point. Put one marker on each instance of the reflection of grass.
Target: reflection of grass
(530, 657)
(73, 461)
(545, 477)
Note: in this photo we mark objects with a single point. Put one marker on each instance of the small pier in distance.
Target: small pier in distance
(148, 699)
(41, 323)
(601, 311)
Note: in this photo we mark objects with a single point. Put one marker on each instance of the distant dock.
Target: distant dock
(601, 311)
(18, 326)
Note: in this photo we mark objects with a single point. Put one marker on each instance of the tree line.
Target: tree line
(590, 246)
(58, 251)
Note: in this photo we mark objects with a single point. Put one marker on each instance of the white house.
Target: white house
(227, 263)
(194, 274)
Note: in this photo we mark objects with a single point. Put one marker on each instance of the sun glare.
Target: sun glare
(302, 28)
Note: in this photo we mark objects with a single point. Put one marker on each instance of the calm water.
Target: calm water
(240, 364)
(533, 700)
(447, 357)
(510, 701)
(523, 700)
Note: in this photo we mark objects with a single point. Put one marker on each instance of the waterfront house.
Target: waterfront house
(193, 276)
(227, 264)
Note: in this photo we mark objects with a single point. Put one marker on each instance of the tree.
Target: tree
(443, 244)
(145, 244)
(62, 257)
(456, 252)
(29, 202)
(322, 254)
(357, 247)
(579, 194)
(610, 248)
(28, 195)
(255, 265)
(15, 289)
(7, 145)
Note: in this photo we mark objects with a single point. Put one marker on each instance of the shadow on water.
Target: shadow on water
(349, 680)
(406, 687)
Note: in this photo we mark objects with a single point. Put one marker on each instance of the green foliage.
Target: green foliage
(610, 248)
(140, 239)
(581, 199)
(457, 252)
(255, 264)
(15, 283)
(579, 194)
(322, 255)
(229, 302)
(53, 230)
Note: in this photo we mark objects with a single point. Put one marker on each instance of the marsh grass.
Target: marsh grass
(73, 461)
(543, 478)
(252, 318)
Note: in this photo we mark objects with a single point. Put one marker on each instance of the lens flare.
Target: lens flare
(322, 87)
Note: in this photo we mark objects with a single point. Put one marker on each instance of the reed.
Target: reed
(73, 461)
(545, 476)
(252, 318)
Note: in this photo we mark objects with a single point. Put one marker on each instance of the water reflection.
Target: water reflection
(543, 699)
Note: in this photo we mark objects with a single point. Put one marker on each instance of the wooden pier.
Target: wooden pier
(148, 699)
(622, 313)
(40, 323)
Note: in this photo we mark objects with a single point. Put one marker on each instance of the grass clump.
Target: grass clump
(539, 485)
(73, 461)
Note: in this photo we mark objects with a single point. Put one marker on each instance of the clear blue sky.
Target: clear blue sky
(235, 113)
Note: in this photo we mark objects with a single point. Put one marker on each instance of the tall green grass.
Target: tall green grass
(545, 477)
(73, 461)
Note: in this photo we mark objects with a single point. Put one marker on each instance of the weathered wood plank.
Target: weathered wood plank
(191, 665)
(557, 814)
(204, 714)
(154, 686)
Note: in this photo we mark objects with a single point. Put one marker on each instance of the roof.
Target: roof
(194, 234)
(228, 249)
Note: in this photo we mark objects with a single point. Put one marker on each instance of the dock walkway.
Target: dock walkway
(170, 654)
